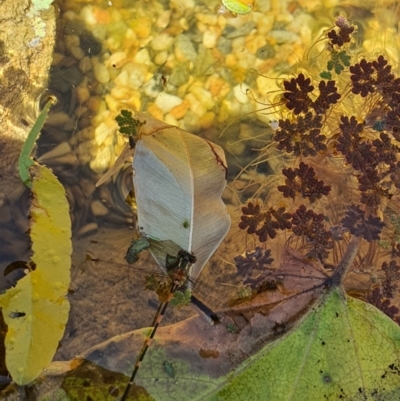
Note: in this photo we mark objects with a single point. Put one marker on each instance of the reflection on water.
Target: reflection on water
(188, 65)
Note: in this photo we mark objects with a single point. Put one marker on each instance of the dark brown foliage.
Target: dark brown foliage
(263, 282)
(365, 155)
(371, 192)
(302, 137)
(251, 218)
(395, 174)
(392, 274)
(357, 153)
(302, 180)
(368, 228)
(309, 225)
(384, 77)
(377, 299)
(257, 259)
(328, 95)
(362, 78)
(385, 150)
(339, 37)
(264, 224)
(296, 95)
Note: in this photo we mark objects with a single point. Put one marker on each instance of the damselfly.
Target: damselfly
(178, 267)
(176, 264)
(288, 292)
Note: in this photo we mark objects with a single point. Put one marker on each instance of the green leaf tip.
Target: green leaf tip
(25, 160)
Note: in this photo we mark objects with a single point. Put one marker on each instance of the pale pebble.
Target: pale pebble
(116, 60)
(137, 75)
(203, 96)
(84, 151)
(208, 19)
(102, 133)
(161, 42)
(142, 27)
(101, 161)
(58, 119)
(195, 106)
(90, 228)
(282, 36)
(184, 49)
(85, 65)
(210, 39)
(171, 120)
(72, 43)
(184, 24)
(88, 16)
(57, 58)
(238, 44)
(238, 149)
(180, 111)
(254, 42)
(165, 102)
(70, 15)
(82, 93)
(100, 71)
(153, 86)
(112, 103)
(99, 31)
(247, 60)
(142, 57)
(120, 92)
(201, 28)
(190, 122)
(207, 120)
(264, 23)
(98, 208)
(161, 58)
(122, 78)
(61, 149)
(84, 134)
(263, 7)
(183, 4)
(87, 186)
(163, 19)
(134, 102)
(155, 111)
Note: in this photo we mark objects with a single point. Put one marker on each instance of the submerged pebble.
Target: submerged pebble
(165, 102)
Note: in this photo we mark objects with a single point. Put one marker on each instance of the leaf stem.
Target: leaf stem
(25, 161)
(347, 260)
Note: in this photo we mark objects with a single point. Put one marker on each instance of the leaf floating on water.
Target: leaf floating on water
(343, 349)
(178, 180)
(36, 310)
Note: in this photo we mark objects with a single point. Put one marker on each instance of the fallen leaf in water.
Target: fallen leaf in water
(36, 309)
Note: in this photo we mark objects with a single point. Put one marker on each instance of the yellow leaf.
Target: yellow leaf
(36, 310)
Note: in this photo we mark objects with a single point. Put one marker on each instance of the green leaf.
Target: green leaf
(237, 7)
(343, 349)
(36, 309)
(25, 159)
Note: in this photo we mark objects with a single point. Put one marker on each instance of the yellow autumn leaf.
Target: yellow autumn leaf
(36, 309)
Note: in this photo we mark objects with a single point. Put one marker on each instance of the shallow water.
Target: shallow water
(190, 66)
